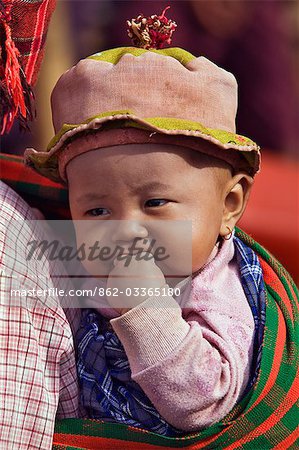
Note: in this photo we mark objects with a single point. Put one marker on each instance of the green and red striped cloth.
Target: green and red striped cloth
(34, 188)
(267, 418)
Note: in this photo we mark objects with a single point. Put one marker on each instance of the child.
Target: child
(153, 138)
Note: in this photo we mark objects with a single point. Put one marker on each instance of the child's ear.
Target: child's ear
(236, 197)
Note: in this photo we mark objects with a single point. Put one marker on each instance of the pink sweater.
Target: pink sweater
(193, 359)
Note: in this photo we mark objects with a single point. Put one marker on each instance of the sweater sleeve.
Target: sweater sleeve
(193, 364)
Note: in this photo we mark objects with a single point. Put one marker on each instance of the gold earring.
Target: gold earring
(229, 234)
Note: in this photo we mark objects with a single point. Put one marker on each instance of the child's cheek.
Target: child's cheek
(94, 248)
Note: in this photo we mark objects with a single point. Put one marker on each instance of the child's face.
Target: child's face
(150, 182)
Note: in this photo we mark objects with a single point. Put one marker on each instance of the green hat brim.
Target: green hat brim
(46, 163)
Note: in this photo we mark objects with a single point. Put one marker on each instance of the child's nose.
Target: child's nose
(128, 230)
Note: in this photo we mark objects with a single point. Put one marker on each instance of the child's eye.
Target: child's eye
(98, 212)
(156, 202)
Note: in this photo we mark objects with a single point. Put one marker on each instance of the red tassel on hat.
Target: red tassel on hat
(15, 92)
(151, 32)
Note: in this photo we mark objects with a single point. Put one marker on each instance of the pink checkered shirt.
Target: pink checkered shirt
(38, 380)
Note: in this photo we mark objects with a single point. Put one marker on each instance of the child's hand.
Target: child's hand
(138, 278)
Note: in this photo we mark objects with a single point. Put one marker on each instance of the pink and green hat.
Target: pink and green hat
(138, 95)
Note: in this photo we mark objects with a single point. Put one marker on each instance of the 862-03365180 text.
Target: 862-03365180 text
(139, 291)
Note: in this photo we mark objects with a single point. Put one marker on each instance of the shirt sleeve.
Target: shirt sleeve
(193, 369)
(37, 372)
(37, 359)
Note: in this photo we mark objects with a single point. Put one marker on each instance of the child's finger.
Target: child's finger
(126, 260)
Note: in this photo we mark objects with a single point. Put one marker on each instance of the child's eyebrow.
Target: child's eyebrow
(89, 196)
(152, 186)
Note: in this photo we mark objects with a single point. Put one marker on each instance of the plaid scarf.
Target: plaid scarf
(107, 390)
(253, 285)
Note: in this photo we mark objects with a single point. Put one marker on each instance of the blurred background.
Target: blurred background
(258, 41)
